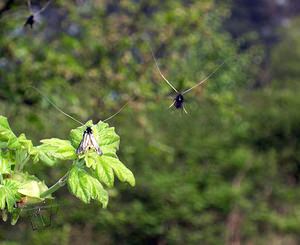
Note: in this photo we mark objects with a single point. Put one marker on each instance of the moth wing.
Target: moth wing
(95, 144)
(82, 146)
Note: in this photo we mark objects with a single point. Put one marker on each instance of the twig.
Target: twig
(60, 183)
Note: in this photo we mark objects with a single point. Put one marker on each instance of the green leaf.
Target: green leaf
(123, 173)
(4, 215)
(105, 173)
(54, 149)
(6, 133)
(9, 140)
(91, 159)
(26, 144)
(5, 165)
(86, 187)
(9, 194)
(106, 136)
(15, 216)
(32, 188)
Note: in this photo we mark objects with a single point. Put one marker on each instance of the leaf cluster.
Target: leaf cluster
(85, 178)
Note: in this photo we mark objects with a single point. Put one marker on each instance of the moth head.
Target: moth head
(179, 98)
(89, 130)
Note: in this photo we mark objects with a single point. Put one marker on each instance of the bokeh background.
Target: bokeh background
(226, 173)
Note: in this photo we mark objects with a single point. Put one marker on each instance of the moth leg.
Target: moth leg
(185, 111)
(172, 104)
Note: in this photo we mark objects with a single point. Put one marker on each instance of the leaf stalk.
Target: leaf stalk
(60, 183)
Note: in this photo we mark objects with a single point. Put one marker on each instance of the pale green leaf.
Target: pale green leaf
(86, 187)
(106, 136)
(54, 149)
(5, 165)
(123, 173)
(26, 144)
(9, 194)
(104, 173)
(6, 133)
(91, 159)
(32, 188)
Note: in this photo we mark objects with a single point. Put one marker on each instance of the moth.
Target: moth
(32, 18)
(179, 100)
(88, 141)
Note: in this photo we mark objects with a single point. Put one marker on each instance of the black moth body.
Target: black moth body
(178, 101)
(30, 21)
(88, 142)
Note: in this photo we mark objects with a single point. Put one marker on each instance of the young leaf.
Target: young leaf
(106, 136)
(4, 215)
(91, 159)
(5, 165)
(86, 187)
(123, 173)
(6, 133)
(9, 194)
(54, 149)
(15, 216)
(32, 188)
(105, 173)
(26, 144)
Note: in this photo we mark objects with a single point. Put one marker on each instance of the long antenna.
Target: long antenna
(43, 8)
(29, 5)
(121, 109)
(204, 80)
(170, 84)
(55, 106)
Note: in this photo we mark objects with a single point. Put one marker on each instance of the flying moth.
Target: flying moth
(32, 18)
(179, 99)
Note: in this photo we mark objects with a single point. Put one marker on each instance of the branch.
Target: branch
(60, 183)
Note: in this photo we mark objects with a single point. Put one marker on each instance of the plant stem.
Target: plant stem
(60, 183)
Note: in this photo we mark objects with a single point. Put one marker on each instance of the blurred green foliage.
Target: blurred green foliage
(227, 171)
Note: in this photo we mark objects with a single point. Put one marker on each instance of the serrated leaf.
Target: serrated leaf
(106, 136)
(86, 187)
(6, 133)
(13, 143)
(91, 159)
(26, 144)
(5, 165)
(9, 194)
(54, 149)
(123, 173)
(105, 173)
